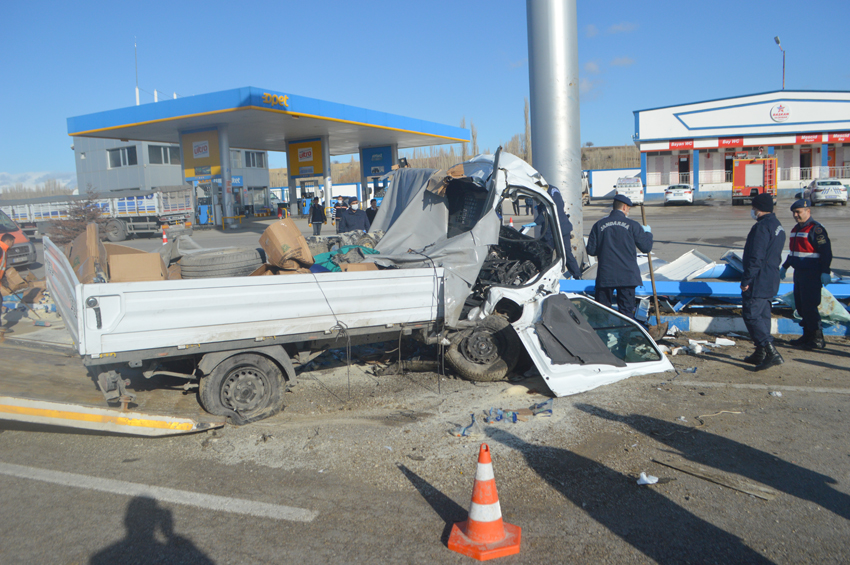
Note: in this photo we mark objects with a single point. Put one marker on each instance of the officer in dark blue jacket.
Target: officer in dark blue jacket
(566, 231)
(353, 218)
(760, 283)
(612, 241)
(810, 256)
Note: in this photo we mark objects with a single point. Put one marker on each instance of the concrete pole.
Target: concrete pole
(554, 99)
(226, 181)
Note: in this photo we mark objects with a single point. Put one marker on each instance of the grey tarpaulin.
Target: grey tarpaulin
(416, 222)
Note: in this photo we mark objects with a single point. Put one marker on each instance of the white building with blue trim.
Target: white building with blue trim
(807, 131)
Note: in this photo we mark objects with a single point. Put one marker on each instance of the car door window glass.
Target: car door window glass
(622, 337)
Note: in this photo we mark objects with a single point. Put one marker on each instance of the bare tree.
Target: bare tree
(526, 144)
(51, 187)
(81, 213)
(463, 149)
(474, 134)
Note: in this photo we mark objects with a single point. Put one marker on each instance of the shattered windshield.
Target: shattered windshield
(622, 337)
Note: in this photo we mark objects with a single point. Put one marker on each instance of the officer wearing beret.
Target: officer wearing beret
(612, 241)
(810, 256)
(762, 255)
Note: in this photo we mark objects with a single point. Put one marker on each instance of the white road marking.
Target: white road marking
(790, 388)
(162, 494)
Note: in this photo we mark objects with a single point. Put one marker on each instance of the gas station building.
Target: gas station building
(203, 132)
(807, 131)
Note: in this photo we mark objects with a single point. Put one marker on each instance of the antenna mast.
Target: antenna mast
(136, 55)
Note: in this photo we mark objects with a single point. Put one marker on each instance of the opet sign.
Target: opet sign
(200, 149)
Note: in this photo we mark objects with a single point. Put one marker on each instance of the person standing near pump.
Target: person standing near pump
(353, 218)
(317, 216)
(338, 209)
(372, 210)
(613, 241)
(760, 282)
(810, 256)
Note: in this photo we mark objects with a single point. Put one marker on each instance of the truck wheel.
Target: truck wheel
(246, 387)
(487, 352)
(235, 262)
(116, 231)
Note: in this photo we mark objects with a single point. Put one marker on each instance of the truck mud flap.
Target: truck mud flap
(100, 419)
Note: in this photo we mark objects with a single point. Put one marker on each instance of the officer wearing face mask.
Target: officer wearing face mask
(353, 218)
(760, 283)
(613, 241)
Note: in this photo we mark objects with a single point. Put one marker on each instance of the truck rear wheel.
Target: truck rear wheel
(116, 231)
(246, 387)
(486, 353)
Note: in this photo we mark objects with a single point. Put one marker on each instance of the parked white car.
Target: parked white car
(630, 187)
(826, 191)
(681, 193)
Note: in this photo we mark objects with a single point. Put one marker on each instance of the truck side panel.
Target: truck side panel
(65, 290)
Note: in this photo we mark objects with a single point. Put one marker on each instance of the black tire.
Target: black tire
(486, 353)
(246, 387)
(235, 262)
(844, 203)
(116, 231)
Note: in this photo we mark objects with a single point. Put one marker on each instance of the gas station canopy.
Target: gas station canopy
(265, 120)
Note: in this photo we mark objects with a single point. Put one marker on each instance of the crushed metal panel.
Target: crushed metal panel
(688, 266)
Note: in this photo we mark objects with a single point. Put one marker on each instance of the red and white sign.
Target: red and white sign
(305, 154)
(780, 113)
(843, 137)
(809, 137)
(682, 144)
(200, 149)
(730, 142)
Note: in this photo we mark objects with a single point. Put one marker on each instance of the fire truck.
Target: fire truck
(752, 176)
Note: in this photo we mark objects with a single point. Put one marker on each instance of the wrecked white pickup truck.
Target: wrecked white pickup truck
(448, 272)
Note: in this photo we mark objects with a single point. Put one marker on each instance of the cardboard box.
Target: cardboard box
(269, 270)
(87, 256)
(174, 272)
(133, 265)
(282, 241)
(351, 267)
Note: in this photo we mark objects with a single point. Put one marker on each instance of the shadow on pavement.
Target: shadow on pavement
(447, 509)
(141, 544)
(644, 518)
(731, 456)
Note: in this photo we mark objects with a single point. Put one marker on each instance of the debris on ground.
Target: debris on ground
(645, 479)
(735, 483)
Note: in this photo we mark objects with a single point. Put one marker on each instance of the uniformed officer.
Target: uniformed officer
(612, 241)
(566, 231)
(811, 255)
(762, 255)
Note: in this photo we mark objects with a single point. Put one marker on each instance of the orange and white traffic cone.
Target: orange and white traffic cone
(511, 222)
(279, 213)
(164, 237)
(483, 535)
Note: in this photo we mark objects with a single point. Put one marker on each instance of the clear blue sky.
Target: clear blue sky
(439, 60)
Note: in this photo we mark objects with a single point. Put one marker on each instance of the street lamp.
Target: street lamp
(776, 39)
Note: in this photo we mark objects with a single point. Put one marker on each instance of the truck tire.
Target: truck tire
(235, 262)
(246, 387)
(486, 353)
(116, 231)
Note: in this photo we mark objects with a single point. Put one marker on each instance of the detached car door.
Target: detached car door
(578, 344)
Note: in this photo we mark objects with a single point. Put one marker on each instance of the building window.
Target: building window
(163, 155)
(235, 159)
(255, 160)
(123, 157)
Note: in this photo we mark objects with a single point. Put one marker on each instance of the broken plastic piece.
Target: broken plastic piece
(464, 432)
(722, 341)
(690, 370)
(775, 393)
(544, 408)
(645, 479)
(673, 331)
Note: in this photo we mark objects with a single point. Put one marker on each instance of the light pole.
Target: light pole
(776, 39)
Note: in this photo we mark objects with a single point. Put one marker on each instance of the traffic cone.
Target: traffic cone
(164, 237)
(279, 213)
(511, 222)
(483, 535)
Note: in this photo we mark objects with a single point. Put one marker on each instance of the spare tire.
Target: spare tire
(231, 262)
